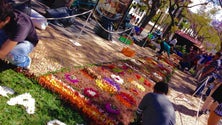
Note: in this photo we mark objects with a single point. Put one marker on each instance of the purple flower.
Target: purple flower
(112, 108)
(111, 82)
(217, 25)
(71, 78)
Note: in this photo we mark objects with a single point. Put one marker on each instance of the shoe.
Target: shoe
(30, 61)
(202, 112)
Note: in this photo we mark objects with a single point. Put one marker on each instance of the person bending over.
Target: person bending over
(17, 35)
(155, 108)
(165, 47)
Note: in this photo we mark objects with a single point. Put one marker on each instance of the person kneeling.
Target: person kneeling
(155, 108)
(18, 36)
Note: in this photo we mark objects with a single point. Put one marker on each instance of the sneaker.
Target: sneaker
(202, 112)
(30, 61)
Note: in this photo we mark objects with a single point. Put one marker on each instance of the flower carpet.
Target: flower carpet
(105, 94)
(109, 93)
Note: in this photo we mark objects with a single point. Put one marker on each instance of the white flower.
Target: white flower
(157, 76)
(92, 93)
(117, 79)
(26, 100)
(55, 122)
(136, 62)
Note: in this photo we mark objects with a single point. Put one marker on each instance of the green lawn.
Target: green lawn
(48, 106)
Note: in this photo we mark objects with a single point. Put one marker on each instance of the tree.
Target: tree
(151, 12)
(218, 2)
(200, 24)
(175, 9)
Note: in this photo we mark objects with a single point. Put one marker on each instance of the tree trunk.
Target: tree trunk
(173, 14)
(166, 31)
(155, 6)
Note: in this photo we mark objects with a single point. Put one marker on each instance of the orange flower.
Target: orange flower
(75, 98)
(126, 99)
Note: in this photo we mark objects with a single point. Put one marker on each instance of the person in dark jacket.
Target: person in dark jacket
(155, 108)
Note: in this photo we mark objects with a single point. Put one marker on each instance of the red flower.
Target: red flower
(147, 83)
(138, 76)
(111, 66)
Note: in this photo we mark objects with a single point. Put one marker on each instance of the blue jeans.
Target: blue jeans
(19, 54)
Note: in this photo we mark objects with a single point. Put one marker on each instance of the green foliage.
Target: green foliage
(154, 19)
(48, 105)
(202, 26)
(174, 29)
(136, 5)
(181, 48)
(184, 24)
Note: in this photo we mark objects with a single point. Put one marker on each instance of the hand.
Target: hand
(138, 118)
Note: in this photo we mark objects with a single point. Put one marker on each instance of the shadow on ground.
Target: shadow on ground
(183, 109)
(178, 82)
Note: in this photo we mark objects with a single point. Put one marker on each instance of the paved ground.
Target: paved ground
(64, 47)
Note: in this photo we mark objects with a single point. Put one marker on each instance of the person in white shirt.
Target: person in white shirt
(173, 42)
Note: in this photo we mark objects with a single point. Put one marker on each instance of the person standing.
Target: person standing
(18, 36)
(216, 107)
(173, 42)
(215, 116)
(155, 108)
(210, 71)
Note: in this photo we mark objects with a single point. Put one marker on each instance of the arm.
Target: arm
(207, 72)
(7, 46)
(142, 106)
(69, 3)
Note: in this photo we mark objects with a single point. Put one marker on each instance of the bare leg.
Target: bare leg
(207, 103)
(213, 106)
(213, 119)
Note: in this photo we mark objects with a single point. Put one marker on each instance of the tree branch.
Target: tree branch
(205, 3)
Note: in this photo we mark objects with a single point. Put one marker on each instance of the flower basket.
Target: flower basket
(128, 52)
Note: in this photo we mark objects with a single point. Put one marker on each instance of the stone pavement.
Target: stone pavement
(63, 47)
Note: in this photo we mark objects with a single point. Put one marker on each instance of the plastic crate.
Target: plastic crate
(125, 40)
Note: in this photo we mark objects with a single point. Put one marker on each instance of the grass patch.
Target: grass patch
(48, 105)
